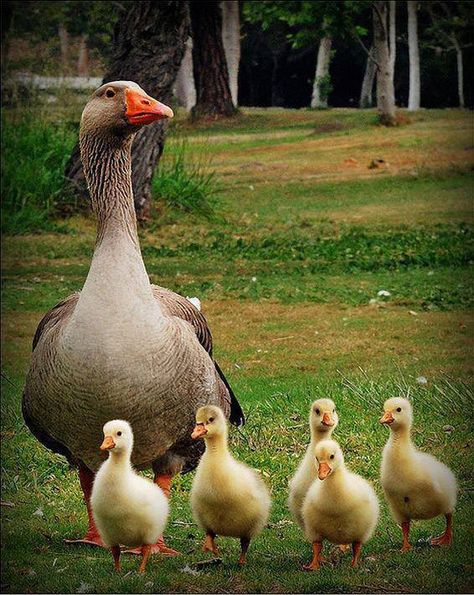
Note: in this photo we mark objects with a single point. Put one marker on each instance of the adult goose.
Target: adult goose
(121, 348)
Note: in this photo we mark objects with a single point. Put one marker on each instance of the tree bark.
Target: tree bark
(458, 49)
(414, 55)
(83, 58)
(392, 31)
(385, 91)
(366, 92)
(319, 98)
(231, 41)
(185, 90)
(64, 47)
(213, 97)
(149, 44)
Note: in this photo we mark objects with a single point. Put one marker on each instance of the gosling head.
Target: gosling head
(328, 457)
(398, 413)
(120, 109)
(118, 436)
(210, 422)
(323, 418)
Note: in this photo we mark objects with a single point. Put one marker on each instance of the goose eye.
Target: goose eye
(119, 433)
(331, 457)
(317, 411)
(110, 93)
(399, 409)
(211, 419)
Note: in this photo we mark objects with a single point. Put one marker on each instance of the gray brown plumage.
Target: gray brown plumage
(121, 348)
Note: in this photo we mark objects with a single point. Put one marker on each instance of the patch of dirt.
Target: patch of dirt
(330, 127)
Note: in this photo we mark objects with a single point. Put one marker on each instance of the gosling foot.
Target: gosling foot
(157, 548)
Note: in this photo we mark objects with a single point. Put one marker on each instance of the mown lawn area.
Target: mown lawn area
(315, 214)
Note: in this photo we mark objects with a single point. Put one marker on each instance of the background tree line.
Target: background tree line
(212, 56)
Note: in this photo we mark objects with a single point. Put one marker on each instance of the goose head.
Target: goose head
(118, 437)
(121, 108)
(398, 413)
(323, 417)
(210, 423)
(328, 457)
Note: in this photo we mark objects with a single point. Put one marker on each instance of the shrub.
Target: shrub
(185, 185)
(34, 154)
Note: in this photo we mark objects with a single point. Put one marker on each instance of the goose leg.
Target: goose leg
(116, 555)
(146, 551)
(244, 546)
(92, 537)
(209, 543)
(356, 547)
(406, 546)
(164, 482)
(315, 562)
(447, 537)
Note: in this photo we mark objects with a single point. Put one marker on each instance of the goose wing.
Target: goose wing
(179, 306)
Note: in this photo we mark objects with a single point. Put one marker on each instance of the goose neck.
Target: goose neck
(107, 167)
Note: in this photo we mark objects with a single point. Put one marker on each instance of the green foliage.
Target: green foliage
(34, 154)
(183, 184)
(307, 21)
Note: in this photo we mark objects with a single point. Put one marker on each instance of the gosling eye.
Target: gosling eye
(334, 410)
(331, 457)
(110, 93)
(317, 411)
(211, 419)
(399, 409)
(119, 433)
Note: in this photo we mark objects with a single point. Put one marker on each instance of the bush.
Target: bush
(185, 185)
(34, 154)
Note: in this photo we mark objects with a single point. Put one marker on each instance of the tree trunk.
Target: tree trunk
(319, 98)
(385, 91)
(64, 47)
(185, 90)
(149, 44)
(213, 97)
(460, 72)
(83, 58)
(6, 21)
(414, 53)
(231, 41)
(392, 31)
(366, 92)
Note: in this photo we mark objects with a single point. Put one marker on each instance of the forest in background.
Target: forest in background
(276, 43)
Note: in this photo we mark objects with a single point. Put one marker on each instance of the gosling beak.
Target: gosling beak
(327, 420)
(108, 443)
(143, 109)
(199, 431)
(323, 470)
(387, 418)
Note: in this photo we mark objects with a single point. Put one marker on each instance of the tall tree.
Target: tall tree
(414, 55)
(385, 88)
(185, 90)
(322, 81)
(451, 29)
(149, 44)
(211, 77)
(231, 40)
(367, 88)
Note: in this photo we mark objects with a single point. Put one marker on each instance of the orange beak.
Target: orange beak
(198, 432)
(327, 420)
(387, 418)
(108, 443)
(323, 470)
(143, 109)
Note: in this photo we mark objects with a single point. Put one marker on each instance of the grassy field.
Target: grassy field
(307, 231)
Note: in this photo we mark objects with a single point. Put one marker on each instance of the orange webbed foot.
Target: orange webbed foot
(157, 548)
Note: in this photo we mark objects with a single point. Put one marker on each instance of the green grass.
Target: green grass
(288, 269)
